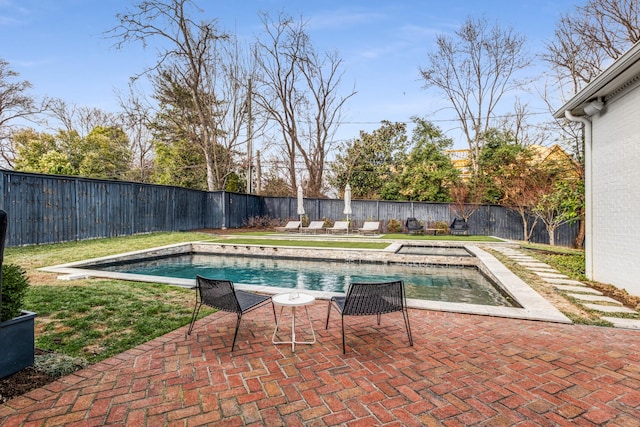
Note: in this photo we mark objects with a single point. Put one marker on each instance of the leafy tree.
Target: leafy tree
(474, 69)
(563, 205)
(106, 154)
(519, 179)
(180, 164)
(45, 153)
(371, 161)
(499, 155)
(427, 173)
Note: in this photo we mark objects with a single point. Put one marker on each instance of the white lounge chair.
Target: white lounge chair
(314, 227)
(339, 227)
(290, 227)
(370, 227)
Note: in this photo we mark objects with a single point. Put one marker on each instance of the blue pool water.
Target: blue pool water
(452, 284)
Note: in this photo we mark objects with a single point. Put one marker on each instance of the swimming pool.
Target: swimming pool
(454, 284)
(531, 305)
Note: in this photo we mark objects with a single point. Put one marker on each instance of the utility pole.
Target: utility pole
(258, 173)
(249, 142)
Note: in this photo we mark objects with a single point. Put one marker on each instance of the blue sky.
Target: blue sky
(59, 46)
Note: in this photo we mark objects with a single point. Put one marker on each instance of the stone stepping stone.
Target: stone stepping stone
(542, 270)
(570, 288)
(564, 282)
(600, 298)
(609, 308)
(551, 275)
(623, 323)
(534, 264)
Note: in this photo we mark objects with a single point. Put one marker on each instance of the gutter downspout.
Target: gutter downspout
(588, 244)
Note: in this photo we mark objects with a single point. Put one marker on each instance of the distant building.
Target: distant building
(609, 108)
(462, 162)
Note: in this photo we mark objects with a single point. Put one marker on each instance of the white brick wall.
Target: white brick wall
(616, 193)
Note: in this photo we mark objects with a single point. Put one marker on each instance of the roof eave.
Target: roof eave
(605, 83)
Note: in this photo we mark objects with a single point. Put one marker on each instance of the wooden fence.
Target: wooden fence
(49, 209)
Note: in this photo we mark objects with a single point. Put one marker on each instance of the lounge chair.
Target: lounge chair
(290, 227)
(314, 227)
(339, 227)
(221, 294)
(370, 227)
(364, 299)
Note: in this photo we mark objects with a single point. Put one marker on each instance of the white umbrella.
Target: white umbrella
(300, 203)
(347, 203)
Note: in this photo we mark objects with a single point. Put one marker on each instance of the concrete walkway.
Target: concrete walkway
(590, 298)
(463, 370)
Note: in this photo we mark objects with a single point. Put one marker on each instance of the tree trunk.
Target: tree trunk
(578, 243)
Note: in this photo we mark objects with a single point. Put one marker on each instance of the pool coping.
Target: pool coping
(534, 306)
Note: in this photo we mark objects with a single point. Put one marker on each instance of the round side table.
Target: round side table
(293, 300)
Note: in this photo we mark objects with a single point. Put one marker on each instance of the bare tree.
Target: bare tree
(192, 56)
(475, 69)
(299, 91)
(136, 120)
(15, 105)
(79, 119)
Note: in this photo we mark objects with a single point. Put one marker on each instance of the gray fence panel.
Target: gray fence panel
(242, 207)
(215, 210)
(40, 209)
(49, 209)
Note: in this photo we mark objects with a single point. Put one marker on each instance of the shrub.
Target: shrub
(261, 222)
(14, 289)
(442, 227)
(394, 226)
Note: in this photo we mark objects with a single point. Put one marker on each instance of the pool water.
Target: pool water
(451, 284)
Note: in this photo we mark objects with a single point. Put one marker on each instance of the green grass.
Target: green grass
(567, 261)
(307, 243)
(98, 319)
(447, 237)
(37, 256)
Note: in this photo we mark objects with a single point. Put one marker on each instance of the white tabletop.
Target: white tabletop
(287, 300)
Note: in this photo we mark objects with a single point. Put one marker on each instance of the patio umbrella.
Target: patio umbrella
(347, 203)
(300, 203)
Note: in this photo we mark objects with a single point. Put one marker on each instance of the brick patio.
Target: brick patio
(462, 370)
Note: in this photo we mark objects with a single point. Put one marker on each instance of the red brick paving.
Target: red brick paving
(462, 370)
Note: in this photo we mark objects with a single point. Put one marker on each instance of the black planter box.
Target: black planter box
(17, 343)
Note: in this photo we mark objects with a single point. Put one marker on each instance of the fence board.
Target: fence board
(49, 209)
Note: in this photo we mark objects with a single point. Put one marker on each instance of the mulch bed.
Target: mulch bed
(22, 382)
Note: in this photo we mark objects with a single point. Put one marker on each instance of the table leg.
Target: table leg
(293, 329)
(293, 341)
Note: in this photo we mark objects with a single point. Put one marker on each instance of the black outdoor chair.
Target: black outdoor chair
(459, 226)
(413, 226)
(221, 294)
(365, 299)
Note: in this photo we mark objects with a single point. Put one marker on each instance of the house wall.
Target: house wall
(616, 193)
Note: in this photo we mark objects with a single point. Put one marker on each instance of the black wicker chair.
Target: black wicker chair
(414, 226)
(221, 294)
(364, 299)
